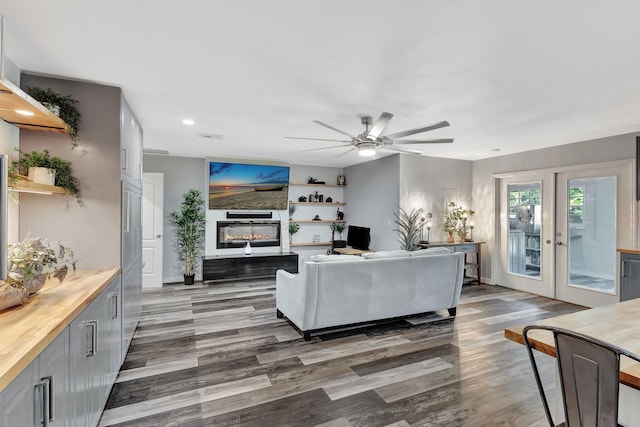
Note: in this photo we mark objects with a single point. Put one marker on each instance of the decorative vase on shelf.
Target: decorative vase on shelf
(247, 249)
(451, 237)
(42, 175)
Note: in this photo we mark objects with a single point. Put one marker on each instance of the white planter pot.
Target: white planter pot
(42, 175)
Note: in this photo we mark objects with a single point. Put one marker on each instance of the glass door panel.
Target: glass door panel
(525, 211)
(526, 261)
(594, 208)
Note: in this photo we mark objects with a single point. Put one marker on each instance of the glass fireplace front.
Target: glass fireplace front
(235, 234)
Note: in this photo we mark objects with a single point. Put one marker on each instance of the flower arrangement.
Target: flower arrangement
(455, 221)
(31, 263)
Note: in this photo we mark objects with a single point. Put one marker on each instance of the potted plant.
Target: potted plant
(337, 227)
(63, 172)
(292, 209)
(293, 229)
(408, 228)
(189, 225)
(63, 106)
(31, 263)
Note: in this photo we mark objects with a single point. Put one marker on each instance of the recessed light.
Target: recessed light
(25, 112)
(188, 122)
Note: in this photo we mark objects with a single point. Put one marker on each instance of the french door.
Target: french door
(559, 231)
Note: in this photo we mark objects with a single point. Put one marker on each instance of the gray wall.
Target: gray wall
(180, 175)
(93, 232)
(431, 183)
(620, 147)
(373, 195)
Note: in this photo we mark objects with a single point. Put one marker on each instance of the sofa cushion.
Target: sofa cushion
(431, 251)
(333, 258)
(386, 254)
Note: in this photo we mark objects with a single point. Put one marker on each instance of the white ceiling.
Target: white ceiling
(511, 75)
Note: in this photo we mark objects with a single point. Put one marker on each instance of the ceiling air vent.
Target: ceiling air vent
(210, 136)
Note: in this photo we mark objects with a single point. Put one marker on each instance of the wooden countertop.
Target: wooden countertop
(26, 330)
(629, 251)
(615, 323)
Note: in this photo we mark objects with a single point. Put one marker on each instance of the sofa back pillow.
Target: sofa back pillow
(334, 258)
(431, 251)
(386, 254)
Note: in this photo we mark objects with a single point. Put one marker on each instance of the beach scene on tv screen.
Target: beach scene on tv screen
(247, 186)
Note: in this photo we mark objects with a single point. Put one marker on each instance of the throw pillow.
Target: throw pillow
(386, 254)
(431, 251)
(332, 258)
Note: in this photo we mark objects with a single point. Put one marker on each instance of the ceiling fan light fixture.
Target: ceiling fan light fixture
(367, 149)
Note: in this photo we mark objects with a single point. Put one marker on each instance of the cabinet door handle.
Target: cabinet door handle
(114, 305)
(50, 380)
(45, 386)
(624, 268)
(91, 351)
(124, 159)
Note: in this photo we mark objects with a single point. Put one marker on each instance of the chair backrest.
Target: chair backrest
(589, 371)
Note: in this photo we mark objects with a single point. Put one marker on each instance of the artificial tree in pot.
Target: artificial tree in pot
(408, 228)
(189, 225)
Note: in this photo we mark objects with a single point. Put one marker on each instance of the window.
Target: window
(576, 204)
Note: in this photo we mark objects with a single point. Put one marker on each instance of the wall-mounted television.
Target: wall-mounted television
(359, 237)
(248, 186)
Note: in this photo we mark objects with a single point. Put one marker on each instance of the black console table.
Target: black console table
(240, 266)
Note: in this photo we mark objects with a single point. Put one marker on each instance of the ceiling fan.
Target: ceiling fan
(368, 142)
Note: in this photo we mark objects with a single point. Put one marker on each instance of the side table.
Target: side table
(467, 248)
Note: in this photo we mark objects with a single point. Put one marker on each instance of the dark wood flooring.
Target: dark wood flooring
(216, 355)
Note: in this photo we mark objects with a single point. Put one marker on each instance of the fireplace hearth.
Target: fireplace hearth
(235, 234)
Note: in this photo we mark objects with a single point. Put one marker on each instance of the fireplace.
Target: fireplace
(235, 234)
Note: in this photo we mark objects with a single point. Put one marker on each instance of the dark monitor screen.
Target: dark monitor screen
(359, 237)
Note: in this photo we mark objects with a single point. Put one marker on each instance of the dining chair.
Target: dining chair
(589, 371)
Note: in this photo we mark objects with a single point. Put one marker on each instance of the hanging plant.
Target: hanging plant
(63, 106)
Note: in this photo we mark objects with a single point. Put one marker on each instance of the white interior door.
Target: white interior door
(152, 221)
(594, 217)
(526, 224)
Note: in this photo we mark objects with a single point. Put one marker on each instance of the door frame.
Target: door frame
(497, 241)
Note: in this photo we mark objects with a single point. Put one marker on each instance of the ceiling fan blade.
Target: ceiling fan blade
(379, 126)
(325, 148)
(342, 154)
(334, 129)
(315, 139)
(401, 150)
(418, 130)
(424, 141)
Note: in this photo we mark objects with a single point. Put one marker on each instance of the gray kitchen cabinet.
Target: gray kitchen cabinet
(39, 394)
(629, 276)
(131, 262)
(95, 355)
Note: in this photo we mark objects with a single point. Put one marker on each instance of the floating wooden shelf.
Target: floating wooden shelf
(25, 185)
(311, 244)
(319, 203)
(309, 221)
(318, 185)
(13, 99)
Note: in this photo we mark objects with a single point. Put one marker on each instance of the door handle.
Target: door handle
(158, 236)
(559, 243)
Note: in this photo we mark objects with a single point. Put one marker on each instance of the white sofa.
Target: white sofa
(338, 290)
